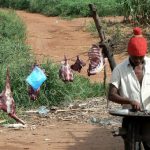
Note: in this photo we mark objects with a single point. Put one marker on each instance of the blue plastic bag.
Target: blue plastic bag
(36, 78)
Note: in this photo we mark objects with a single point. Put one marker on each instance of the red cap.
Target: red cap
(137, 45)
(137, 31)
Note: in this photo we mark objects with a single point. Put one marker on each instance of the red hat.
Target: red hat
(137, 31)
(137, 45)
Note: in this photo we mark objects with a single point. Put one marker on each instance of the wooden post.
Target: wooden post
(97, 22)
(105, 44)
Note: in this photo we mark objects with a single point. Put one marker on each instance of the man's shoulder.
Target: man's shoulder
(147, 62)
(123, 64)
(147, 59)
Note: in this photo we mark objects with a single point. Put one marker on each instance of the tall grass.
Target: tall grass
(64, 7)
(136, 10)
(14, 53)
(16, 4)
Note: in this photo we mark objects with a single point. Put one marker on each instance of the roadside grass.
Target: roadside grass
(90, 27)
(65, 7)
(133, 11)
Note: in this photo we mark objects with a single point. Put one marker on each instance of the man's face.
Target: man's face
(137, 60)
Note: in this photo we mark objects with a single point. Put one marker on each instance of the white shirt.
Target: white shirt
(124, 79)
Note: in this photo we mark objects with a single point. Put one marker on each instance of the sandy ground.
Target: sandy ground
(53, 37)
(59, 136)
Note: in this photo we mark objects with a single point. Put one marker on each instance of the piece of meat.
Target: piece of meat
(77, 66)
(32, 93)
(7, 103)
(65, 72)
(96, 60)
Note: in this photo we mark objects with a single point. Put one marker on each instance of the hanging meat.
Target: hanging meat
(7, 102)
(65, 72)
(77, 66)
(35, 80)
(96, 60)
(33, 94)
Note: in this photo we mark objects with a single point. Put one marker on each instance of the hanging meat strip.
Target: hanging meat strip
(32, 93)
(65, 72)
(96, 60)
(7, 102)
(77, 66)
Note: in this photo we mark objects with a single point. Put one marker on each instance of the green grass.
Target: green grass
(138, 11)
(64, 7)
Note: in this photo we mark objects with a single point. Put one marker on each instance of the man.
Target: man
(130, 81)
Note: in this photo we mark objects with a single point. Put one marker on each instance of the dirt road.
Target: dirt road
(59, 136)
(54, 37)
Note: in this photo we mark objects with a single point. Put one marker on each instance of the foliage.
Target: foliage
(92, 29)
(136, 9)
(15, 54)
(10, 24)
(16, 4)
(64, 7)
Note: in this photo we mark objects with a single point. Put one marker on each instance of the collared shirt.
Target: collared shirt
(125, 80)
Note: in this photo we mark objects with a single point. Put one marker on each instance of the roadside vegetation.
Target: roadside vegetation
(64, 7)
(135, 10)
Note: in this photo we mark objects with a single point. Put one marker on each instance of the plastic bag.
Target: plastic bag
(36, 78)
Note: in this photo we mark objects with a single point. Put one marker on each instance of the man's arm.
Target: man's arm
(113, 95)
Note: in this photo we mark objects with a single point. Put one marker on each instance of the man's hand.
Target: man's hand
(135, 105)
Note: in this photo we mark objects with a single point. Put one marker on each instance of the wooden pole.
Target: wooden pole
(97, 22)
(104, 43)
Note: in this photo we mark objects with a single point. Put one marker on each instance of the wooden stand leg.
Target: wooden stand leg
(130, 142)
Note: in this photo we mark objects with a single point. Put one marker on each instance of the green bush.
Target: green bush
(136, 11)
(4, 3)
(19, 4)
(15, 55)
(11, 26)
(65, 7)
(73, 8)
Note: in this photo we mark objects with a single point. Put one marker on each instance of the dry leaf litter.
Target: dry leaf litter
(93, 111)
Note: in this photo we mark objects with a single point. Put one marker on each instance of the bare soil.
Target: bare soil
(54, 37)
(59, 136)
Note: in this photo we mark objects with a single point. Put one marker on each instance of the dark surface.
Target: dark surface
(131, 113)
